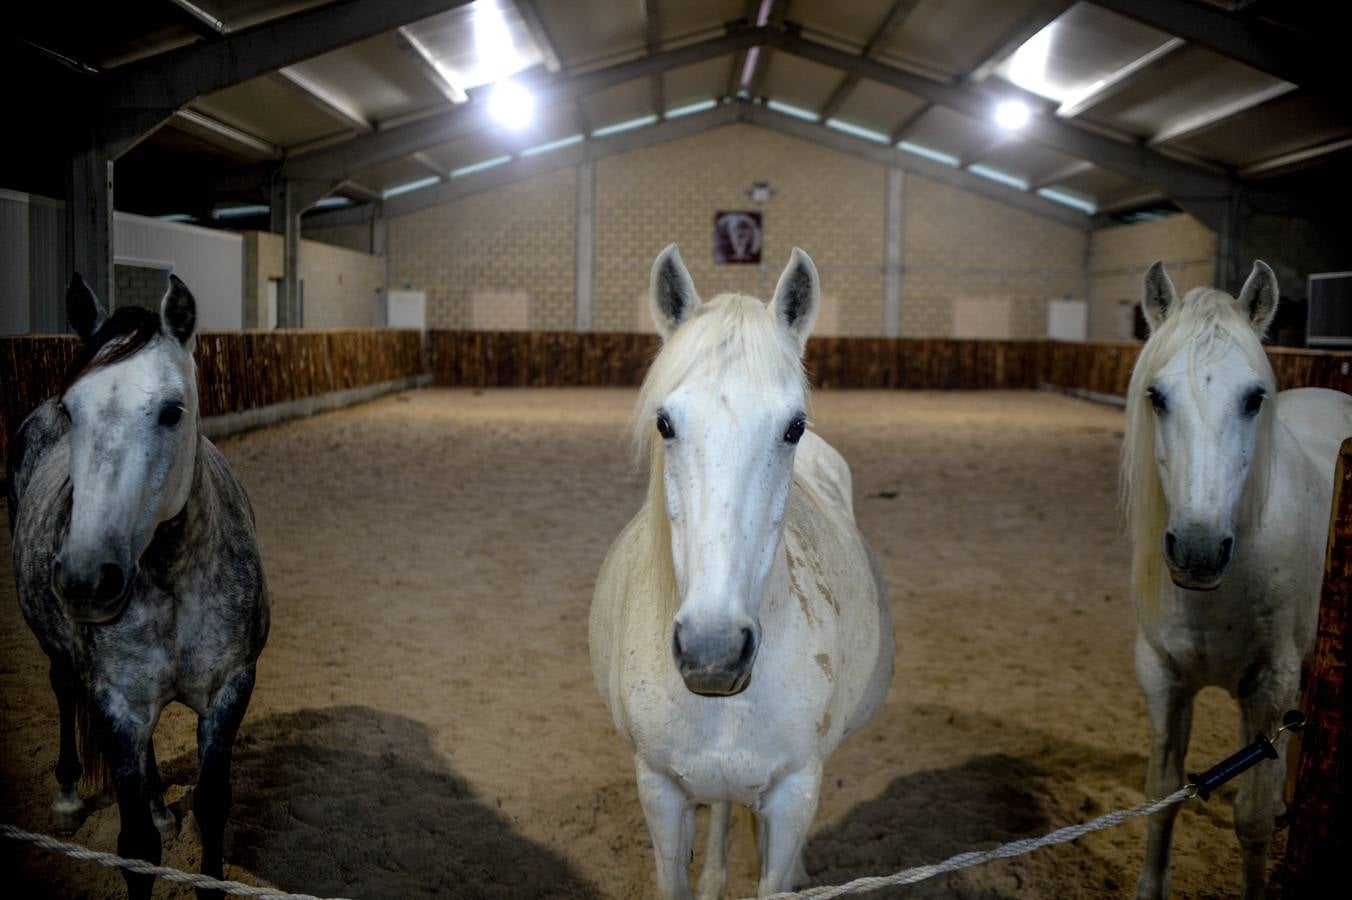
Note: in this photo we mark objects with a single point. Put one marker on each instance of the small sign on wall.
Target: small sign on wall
(737, 237)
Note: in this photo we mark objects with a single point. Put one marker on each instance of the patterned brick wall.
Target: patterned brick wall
(353, 237)
(340, 284)
(1119, 257)
(142, 286)
(516, 238)
(960, 246)
(957, 245)
(826, 202)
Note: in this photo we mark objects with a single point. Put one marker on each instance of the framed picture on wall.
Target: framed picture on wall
(737, 237)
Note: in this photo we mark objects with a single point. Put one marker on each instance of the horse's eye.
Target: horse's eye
(664, 427)
(795, 431)
(1253, 401)
(1157, 400)
(170, 415)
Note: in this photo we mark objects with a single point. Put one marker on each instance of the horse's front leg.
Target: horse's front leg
(713, 881)
(786, 814)
(164, 820)
(216, 730)
(1169, 704)
(125, 742)
(68, 810)
(1258, 803)
(671, 822)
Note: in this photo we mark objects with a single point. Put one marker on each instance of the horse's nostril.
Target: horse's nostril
(748, 649)
(1170, 544)
(1227, 548)
(676, 642)
(111, 583)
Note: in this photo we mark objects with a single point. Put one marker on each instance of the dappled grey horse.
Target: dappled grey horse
(137, 569)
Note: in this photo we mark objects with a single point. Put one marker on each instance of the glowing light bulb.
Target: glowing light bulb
(1012, 115)
(511, 104)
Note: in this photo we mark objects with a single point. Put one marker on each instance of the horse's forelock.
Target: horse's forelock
(126, 331)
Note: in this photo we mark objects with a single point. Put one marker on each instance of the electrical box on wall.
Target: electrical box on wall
(1067, 320)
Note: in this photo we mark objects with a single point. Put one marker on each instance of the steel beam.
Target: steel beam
(1314, 62)
(170, 80)
(1296, 157)
(196, 121)
(89, 220)
(585, 234)
(1059, 174)
(325, 100)
(426, 62)
(652, 36)
(1186, 183)
(1030, 23)
(341, 160)
(674, 129)
(894, 19)
(1214, 115)
(549, 52)
(1121, 79)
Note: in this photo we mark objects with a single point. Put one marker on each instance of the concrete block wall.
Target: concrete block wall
(826, 202)
(517, 238)
(960, 246)
(342, 286)
(142, 286)
(520, 238)
(1120, 254)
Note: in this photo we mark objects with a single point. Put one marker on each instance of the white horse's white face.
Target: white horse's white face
(1207, 410)
(133, 441)
(729, 436)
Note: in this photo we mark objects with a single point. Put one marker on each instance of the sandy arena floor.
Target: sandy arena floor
(425, 721)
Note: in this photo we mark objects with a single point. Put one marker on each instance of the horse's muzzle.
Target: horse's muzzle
(96, 597)
(715, 663)
(1197, 558)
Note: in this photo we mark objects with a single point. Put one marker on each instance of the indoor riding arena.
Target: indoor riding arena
(331, 474)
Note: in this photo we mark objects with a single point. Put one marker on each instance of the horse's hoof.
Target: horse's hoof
(67, 815)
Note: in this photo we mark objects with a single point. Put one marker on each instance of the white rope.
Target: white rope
(141, 867)
(1004, 851)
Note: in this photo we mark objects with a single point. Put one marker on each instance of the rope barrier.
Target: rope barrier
(1004, 851)
(141, 867)
(1199, 786)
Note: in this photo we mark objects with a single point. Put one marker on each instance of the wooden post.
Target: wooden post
(1317, 846)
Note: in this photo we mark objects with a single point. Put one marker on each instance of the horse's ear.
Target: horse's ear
(1159, 300)
(1258, 298)
(178, 311)
(797, 296)
(83, 310)
(673, 293)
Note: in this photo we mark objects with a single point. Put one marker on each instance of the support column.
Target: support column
(895, 218)
(380, 246)
(1229, 272)
(290, 199)
(89, 220)
(585, 231)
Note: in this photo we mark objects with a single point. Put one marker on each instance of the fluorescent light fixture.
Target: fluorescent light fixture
(796, 111)
(511, 104)
(553, 145)
(624, 126)
(1069, 199)
(867, 134)
(1012, 115)
(331, 202)
(177, 217)
(409, 186)
(938, 156)
(480, 166)
(239, 212)
(691, 109)
(996, 175)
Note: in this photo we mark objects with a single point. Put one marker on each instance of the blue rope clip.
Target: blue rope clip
(1245, 759)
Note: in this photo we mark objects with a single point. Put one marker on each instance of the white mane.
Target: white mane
(1206, 323)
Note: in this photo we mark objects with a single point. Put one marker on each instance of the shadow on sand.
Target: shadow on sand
(356, 802)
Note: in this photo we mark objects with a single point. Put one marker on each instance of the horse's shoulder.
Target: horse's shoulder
(821, 467)
(223, 479)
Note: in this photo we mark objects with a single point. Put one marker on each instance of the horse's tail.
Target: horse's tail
(96, 776)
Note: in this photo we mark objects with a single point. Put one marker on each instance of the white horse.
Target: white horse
(1227, 486)
(744, 557)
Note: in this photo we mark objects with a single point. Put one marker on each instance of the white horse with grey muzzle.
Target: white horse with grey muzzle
(1227, 486)
(740, 628)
